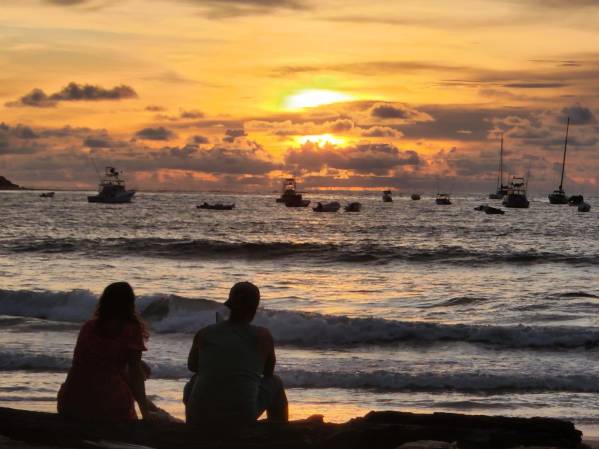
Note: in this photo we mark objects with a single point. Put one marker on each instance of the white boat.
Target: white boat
(443, 199)
(112, 189)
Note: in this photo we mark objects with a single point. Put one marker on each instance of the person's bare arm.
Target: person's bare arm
(194, 352)
(136, 380)
(267, 348)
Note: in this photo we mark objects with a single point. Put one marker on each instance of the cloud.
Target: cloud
(232, 134)
(73, 92)
(537, 85)
(387, 111)
(376, 159)
(155, 108)
(199, 140)
(159, 133)
(579, 115)
(191, 114)
(381, 131)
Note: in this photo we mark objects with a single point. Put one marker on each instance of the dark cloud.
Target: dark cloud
(376, 159)
(538, 85)
(199, 140)
(191, 114)
(73, 92)
(341, 125)
(232, 134)
(389, 111)
(159, 133)
(579, 115)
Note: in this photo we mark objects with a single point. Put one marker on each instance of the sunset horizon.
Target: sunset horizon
(237, 95)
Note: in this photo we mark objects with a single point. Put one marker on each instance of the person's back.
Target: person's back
(230, 368)
(234, 364)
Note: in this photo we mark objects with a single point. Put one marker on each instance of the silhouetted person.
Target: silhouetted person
(107, 374)
(234, 363)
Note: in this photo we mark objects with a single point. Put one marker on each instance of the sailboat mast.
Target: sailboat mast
(565, 148)
(501, 163)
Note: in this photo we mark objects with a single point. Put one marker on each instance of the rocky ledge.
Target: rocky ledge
(376, 430)
(5, 184)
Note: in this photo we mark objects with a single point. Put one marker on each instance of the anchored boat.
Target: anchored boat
(443, 199)
(112, 189)
(559, 196)
(387, 198)
(516, 195)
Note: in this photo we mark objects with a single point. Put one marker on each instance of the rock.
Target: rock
(376, 430)
(5, 184)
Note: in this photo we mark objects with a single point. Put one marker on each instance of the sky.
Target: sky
(234, 95)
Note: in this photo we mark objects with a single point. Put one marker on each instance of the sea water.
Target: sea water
(403, 306)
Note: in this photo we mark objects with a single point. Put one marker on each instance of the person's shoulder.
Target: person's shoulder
(262, 332)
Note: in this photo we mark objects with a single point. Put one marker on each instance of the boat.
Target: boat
(443, 199)
(353, 207)
(112, 189)
(387, 198)
(584, 207)
(501, 188)
(493, 211)
(327, 207)
(575, 200)
(516, 196)
(559, 196)
(289, 190)
(481, 208)
(415, 196)
(216, 206)
(47, 195)
(296, 201)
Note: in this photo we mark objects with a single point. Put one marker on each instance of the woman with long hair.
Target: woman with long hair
(107, 374)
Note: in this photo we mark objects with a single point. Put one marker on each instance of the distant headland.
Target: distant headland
(5, 184)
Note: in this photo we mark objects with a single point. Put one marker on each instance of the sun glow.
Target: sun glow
(321, 139)
(309, 98)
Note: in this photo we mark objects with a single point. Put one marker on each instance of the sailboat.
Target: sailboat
(501, 189)
(559, 196)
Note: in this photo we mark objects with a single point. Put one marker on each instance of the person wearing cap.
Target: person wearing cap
(234, 364)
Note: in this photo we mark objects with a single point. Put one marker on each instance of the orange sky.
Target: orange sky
(235, 94)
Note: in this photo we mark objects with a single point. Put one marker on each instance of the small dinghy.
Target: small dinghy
(415, 196)
(387, 198)
(575, 200)
(493, 211)
(47, 195)
(327, 207)
(584, 207)
(481, 208)
(216, 206)
(353, 207)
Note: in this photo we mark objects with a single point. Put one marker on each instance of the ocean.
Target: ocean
(403, 306)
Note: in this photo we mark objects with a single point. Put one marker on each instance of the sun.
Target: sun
(321, 139)
(309, 98)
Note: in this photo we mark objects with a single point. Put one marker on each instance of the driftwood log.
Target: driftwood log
(376, 430)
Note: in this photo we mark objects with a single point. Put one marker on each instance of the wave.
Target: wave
(174, 314)
(327, 252)
(373, 380)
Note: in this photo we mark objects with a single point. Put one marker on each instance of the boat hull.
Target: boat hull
(124, 197)
(558, 198)
(516, 202)
(216, 206)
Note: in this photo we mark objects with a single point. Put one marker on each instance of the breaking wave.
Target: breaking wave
(173, 314)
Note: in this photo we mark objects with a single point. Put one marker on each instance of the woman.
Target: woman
(107, 373)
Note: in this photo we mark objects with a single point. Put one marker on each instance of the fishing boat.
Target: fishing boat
(289, 190)
(516, 195)
(112, 189)
(559, 196)
(216, 206)
(415, 196)
(47, 195)
(501, 188)
(353, 207)
(327, 207)
(443, 199)
(387, 198)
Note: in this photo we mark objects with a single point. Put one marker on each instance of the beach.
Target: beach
(404, 306)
